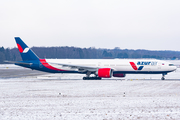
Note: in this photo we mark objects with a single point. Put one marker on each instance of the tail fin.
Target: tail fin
(25, 51)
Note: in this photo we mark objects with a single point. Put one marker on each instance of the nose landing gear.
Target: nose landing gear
(163, 76)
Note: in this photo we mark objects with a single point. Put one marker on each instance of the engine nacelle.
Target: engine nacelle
(119, 75)
(105, 72)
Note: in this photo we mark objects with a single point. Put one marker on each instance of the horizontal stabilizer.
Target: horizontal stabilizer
(20, 63)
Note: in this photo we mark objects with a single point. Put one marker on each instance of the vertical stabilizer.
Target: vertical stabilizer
(26, 53)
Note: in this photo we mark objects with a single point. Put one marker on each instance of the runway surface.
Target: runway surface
(27, 95)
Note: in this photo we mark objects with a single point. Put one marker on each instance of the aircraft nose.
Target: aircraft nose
(174, 68)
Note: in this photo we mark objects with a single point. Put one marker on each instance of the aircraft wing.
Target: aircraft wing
(80, 68)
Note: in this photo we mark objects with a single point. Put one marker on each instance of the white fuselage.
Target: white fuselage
(140, 65)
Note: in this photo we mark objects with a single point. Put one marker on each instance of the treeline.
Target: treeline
(87, 53)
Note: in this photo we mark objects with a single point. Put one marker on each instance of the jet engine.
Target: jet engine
(104, 72)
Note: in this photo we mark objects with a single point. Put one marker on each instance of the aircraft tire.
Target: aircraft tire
(92, 78)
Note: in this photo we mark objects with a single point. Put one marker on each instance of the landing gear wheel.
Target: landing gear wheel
(163, 78)
(91, 78)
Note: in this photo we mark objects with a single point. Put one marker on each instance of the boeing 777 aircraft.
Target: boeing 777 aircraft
(101, 68)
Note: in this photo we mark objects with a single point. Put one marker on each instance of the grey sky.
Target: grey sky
(131, 24)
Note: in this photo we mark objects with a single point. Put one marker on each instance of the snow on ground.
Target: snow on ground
(27, 95)
(78, 99)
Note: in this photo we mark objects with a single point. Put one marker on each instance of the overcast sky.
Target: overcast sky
(131, 24)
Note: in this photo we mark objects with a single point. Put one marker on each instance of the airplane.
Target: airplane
(101, 68)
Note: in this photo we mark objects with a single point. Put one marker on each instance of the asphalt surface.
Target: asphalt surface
(18, 73)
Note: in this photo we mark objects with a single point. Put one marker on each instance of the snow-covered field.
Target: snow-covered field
(44, 96)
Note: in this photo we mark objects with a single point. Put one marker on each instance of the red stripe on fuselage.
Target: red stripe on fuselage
(133, 65)
(20, 48)
(43, 62)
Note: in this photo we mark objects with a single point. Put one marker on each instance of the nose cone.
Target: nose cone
(174, 68)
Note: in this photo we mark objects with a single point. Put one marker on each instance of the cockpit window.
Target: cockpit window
(171, 64)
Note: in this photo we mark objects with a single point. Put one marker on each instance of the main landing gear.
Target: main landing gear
(163, 76)
(91, 78)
